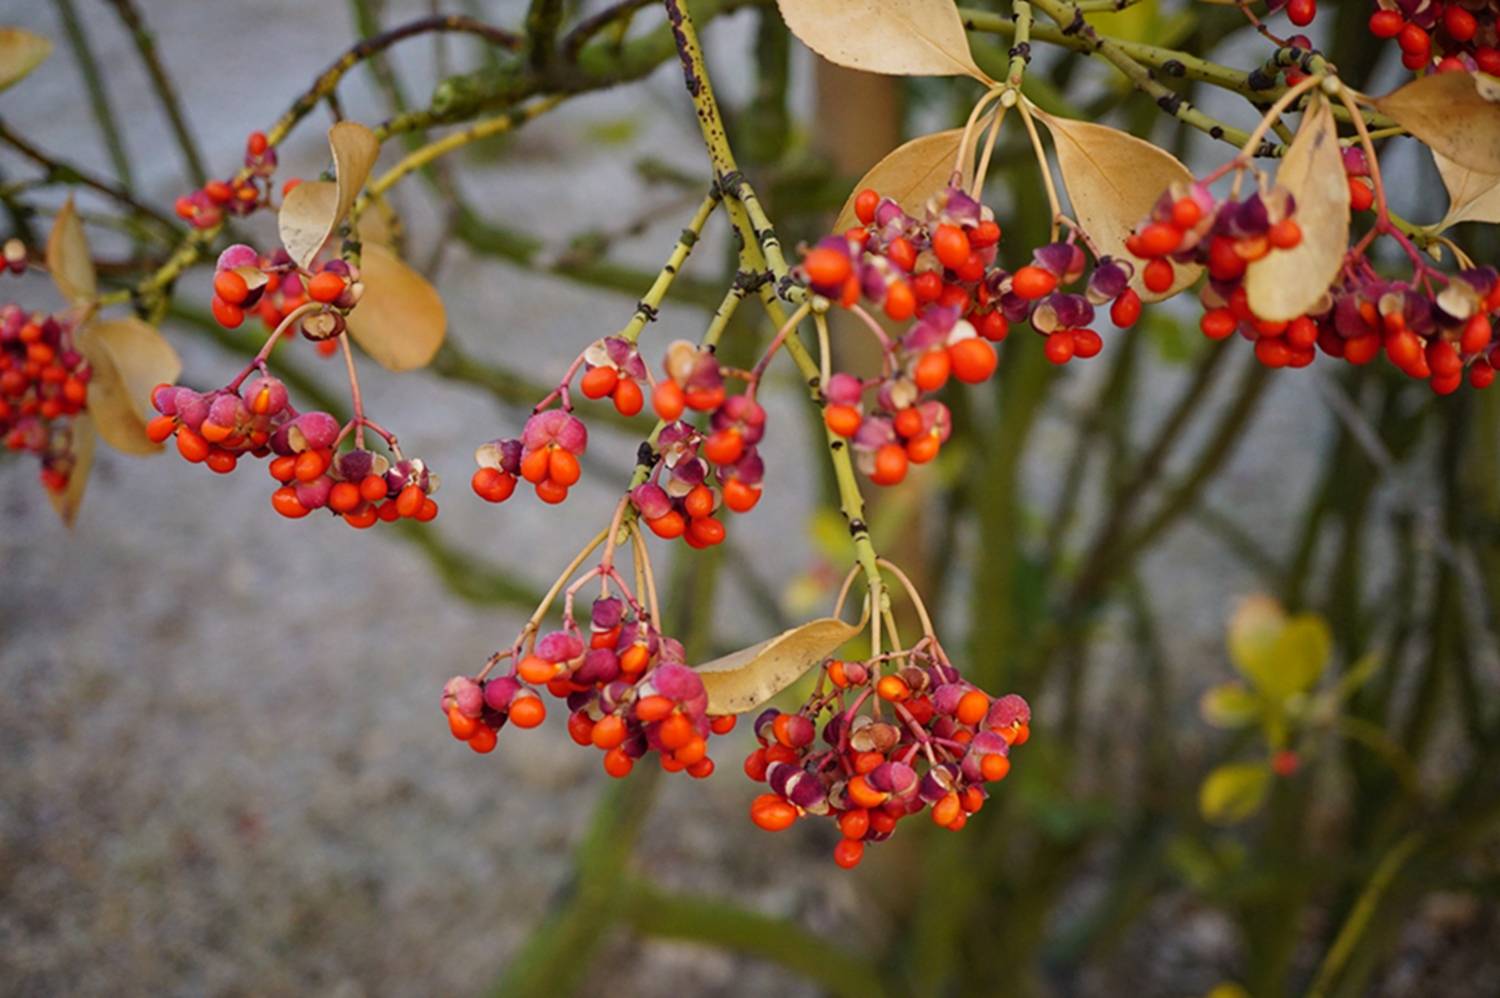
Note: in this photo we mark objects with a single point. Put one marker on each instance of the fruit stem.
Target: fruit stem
(527, 637)
(1044, 167)
(1274, 113)
(643, 565)
(356, 400)
(258, 362)
(776, 341)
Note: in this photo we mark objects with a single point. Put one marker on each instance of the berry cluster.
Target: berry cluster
(943, 741)
(626, 686)
(1432, 327)
(678, 497)
(43, 385)
(613, 368)
(239, 195)
(1448, 35)
(546, 455)
(273, 288)
(941, 273)
(1187, 225)
(219, 427)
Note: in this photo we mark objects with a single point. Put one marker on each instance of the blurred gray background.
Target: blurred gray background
(222, 769)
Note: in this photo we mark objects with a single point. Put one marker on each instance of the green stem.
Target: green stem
(650, 303)
(653, 912)
(61, 171)
(542, 21)
(1363, 912)
(1070, 19)
(166, 93)
(557, 955)
(1020, 50)
(761, 253)
(88, 67)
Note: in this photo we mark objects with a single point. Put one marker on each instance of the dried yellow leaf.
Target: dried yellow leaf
(400, 320)
(313, 210)
(749, 677)
(68, 259)
(912, 173)
(1456, 114)
(128, 358)
(70, 498)
(1287, 283)
(895, 37)
(1472, 196)
(21, 51)
(1113, 180)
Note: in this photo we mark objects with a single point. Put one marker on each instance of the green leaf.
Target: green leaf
(1234, 792)
(1357, 675)
(1231, 705)
(1280, 656)
(1302, 652)
(1253, 630)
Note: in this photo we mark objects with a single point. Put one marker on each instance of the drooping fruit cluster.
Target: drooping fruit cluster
(627, 689)
(219, 427)
(694, 469)
(679, 499)
(942, 741)
(1448, 35)
(546, 455)
(239, 195)
(1188, 225)
(1433, 326)
(44, 383)
(273, 288)
(941, 272)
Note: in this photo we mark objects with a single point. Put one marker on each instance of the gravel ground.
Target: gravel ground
(222, 772)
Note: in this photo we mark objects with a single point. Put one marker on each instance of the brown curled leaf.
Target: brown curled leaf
(313, 210)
